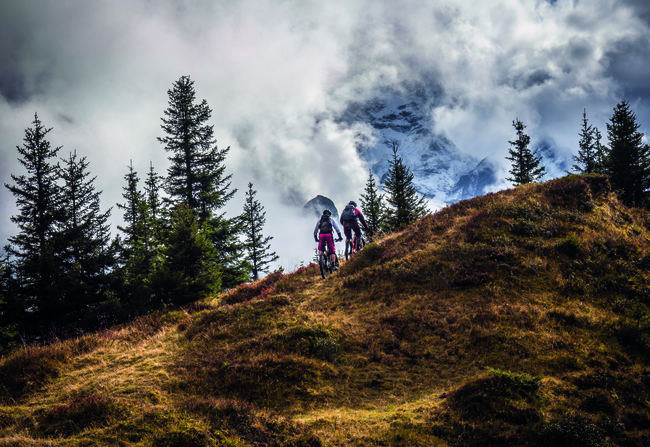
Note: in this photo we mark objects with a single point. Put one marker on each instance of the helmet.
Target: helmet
(327, 213)
(353, 203)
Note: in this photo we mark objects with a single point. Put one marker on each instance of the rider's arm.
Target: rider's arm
(360, 216)
(317, 228)
(336, 228)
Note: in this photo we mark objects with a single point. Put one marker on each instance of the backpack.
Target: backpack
(348, 213)
(325, 226)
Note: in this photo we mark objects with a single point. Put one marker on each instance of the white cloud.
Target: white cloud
(277, 73)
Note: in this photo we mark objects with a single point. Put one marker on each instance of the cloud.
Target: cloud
(278, 74)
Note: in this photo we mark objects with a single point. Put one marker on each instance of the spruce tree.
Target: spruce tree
(628, 165)
(134, 214)
(525, 164)
(257, 245)
(197, 176)
(83, 242)
(153, 215)
(372, 206)
(405, 205)
(138, 248)
(38, 198)
(190, 267)
(600, 153)
(152, 187)
(587, 158)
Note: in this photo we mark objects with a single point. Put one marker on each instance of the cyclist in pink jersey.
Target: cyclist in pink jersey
(325, 225)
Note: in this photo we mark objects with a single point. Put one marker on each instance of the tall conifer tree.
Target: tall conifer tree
(38, 198)
(405, 205)
(525, 164)
(600, 153)
(134, 214)
(372, 206)
(82, 250)
(197, 175)
(152, 187)
(257, 245)
(587, 158)
(628, 163)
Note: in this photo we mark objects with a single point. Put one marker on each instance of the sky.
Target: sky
(278, 73)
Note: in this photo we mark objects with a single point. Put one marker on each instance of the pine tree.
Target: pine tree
(39, 204)
(405, 206)
(525, 164)
(152, 193)
(372, 206)
(587, 158)
(196, 175)
(257, 245)
(140, 246)
(82, 250)
(600, 153)
(628, 165)
(190, 266)
(153, 215)
(134, 215)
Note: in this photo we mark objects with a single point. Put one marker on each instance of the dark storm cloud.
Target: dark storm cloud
(15, 29)
(642, 8)
(629, 64)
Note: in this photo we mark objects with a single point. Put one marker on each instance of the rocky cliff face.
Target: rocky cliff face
(403, 116)
(441, 170)
(319, 203)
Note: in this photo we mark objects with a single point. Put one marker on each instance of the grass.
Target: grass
(515, 318)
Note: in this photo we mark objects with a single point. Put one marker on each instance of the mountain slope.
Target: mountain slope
(444, 173)
(515, 318)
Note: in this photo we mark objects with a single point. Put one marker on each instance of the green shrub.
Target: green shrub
(571, 246)
(524, 382)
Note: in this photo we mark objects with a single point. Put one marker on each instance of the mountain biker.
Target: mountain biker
(349, 220)
(325, 225)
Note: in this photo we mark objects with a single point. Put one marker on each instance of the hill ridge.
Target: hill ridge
(514, 318)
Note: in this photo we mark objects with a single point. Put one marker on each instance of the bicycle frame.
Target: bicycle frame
(325, 263)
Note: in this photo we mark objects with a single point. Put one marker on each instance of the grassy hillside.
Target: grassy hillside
(516, 318)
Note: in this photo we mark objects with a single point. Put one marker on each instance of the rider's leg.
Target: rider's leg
(330, 246)
(357, 233)
(348, 233)
(321, 244)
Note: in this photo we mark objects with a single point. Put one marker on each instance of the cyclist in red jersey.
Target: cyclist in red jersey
(350, 220)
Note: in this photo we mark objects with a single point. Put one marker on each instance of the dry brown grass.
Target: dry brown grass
(549, 280)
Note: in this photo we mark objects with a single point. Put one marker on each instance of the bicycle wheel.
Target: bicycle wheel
(324, 265)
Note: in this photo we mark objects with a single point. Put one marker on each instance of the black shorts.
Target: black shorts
(350, 225)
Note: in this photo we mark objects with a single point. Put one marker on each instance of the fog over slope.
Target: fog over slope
(280, 76)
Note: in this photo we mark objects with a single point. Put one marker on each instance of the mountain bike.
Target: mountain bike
(353, 246)
(325, 262)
